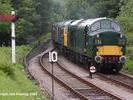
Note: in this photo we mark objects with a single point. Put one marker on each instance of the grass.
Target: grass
(128, 68)
(14, 84)
(129, 36)
(44, 37)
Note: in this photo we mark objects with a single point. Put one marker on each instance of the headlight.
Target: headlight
(122, 59)
(98, 59)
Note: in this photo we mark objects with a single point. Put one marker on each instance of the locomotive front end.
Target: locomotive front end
(109, 45)
(109, 50)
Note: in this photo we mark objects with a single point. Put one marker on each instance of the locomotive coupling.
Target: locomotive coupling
(122, 59)
(98, 59)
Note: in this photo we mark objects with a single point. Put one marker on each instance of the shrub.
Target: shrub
(8, 70)
(127, 23)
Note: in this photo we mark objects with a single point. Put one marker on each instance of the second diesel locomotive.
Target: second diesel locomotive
(99, 42)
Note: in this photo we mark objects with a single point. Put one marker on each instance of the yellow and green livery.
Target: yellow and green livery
(99, 42)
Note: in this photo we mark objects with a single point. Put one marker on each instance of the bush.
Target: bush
(127, 23)
(130, 53)
(8, 70)
(128, 67)
(129, 38)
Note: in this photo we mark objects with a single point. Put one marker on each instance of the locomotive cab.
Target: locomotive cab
(109, 44)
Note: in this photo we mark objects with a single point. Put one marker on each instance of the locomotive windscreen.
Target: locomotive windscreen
(105, 25)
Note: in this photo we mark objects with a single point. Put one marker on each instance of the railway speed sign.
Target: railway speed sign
(53, 57)
(92, 69)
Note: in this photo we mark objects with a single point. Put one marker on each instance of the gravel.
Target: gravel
(125, 94)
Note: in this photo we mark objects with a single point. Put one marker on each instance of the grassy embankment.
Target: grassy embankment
(128, 68)
(14, 84)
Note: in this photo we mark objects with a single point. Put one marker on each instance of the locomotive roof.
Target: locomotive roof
(94, 25)
(76, 22)
(89, 22)
(64, 23)
(98, 25)
(82, 22)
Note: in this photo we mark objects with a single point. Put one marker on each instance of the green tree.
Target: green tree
(76, 9)
(127, 8)
(34, 18)
(57, 12)
(43, 8)
(5, 8)
(108, 8)
(92, 8)
(126, 15)
(26, 25)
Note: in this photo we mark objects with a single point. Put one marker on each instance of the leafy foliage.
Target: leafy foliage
(126, 15)
(108, 8)
(127, 8)
(126, 23)
(92, 8)
(26, 25)
(5, 7)
(13, 79)
(57, 12)
(43, 9)
(35, 17)
(79, 9)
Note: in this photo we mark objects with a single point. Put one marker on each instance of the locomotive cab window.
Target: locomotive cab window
(95, 26)
(105, 25)
(115, 26)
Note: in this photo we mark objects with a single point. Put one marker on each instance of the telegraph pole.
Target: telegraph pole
(13, 43)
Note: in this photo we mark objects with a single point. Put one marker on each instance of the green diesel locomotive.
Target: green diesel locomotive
(99, 42)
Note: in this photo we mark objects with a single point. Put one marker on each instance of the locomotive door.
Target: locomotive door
(65, 33)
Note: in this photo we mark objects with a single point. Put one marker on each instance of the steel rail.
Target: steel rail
(88, 83)
(118, 81)
(82, 97)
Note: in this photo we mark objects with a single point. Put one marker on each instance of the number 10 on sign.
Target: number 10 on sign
(53, 56)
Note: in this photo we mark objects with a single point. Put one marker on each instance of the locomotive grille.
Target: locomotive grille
(110, 59)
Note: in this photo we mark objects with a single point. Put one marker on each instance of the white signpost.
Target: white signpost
(92, 70)
(13, 44)
(53, 58)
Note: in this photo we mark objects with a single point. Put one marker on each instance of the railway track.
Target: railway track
(120, 79)
(81, 88)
